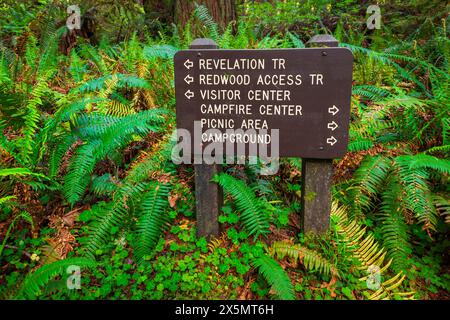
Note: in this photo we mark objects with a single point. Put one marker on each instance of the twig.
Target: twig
(17, 248)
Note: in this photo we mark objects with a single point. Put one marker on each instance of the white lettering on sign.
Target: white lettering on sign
(278, 95)
(254, 124)
(279, 79)
(231, 64)
(223, 79)
(217, 123)
(316, 79)
(226, 109)
(236, 137)
(280, 110)
(220, 94)
(294, 91)
(279, 63)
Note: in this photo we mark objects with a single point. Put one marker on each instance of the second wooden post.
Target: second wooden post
(317, 176)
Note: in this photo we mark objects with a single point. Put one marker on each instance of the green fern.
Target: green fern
(19, 172)
(103, 139)
(111, 216)
(295, 40)
(253, 215)
(443, 206)
(275, 276)
(123, 80)
(153, 219)
(33, 282)
(423, 161)
(411, 172)
(104, 185)
(159, 51)
(368, 181)
(417, 196)
(393, 227)
(201, 12)
(371, 92)
(23, 215)
(31, 119)
(5, 200)
(132, 199)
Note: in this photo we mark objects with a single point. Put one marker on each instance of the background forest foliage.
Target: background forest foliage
(87, 118)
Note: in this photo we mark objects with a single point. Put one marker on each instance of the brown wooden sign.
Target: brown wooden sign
(305, 93)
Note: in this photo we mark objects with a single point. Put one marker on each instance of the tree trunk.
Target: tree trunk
(157, 10)
(222, 11)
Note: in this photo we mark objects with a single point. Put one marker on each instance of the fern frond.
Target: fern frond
(122, 80)
(108, 139)
(253, 215)
(443, 206)
(118, 109)
(394, 230)
(77, 67)
(422, 161)
(5, 76)
(368, 252)
(32, 118)
(295, 40)
(370, 92)
(156, 160)
(275, 276)
(417, 195)
(33, 283)
(309, 258)
(6, 200)
(18, 172)
(107, 217)
(201, 12)
(153, 219)
(368, 180)
(63, 143)
(88, 52)
(159, 51)
(104, 185)
(80, 168)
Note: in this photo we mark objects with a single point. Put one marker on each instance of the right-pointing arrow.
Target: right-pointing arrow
(331, 140)
(189, 94)
(332, 125)
(188, 79)
(333, 110)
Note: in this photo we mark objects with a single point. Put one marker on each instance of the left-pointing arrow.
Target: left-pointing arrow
(188, 64)
(188, 79)
(189, 94)
(331, 140)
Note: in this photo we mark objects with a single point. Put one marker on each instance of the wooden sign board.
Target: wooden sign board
(305, 93)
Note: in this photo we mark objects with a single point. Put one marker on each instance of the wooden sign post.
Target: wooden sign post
(290, 102)
(317, 175)
(208, 195)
